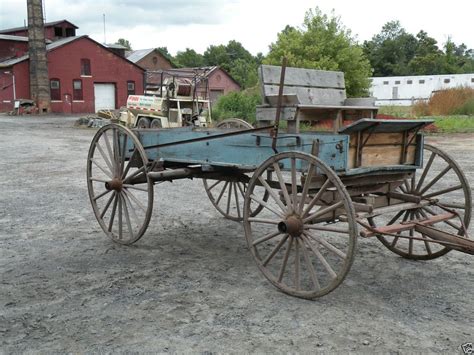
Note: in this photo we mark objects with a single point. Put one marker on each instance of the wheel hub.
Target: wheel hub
(114, 184)
(292, 225)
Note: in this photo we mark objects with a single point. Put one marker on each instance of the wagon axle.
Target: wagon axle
(114, 184)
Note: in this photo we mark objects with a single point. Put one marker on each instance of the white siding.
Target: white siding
(397, 90)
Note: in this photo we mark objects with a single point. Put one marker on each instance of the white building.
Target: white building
(405, 90)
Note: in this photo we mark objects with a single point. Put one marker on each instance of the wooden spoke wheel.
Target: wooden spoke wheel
(440, 179)
(234, 123)
(304, 239)
(228, 196)
(120, 190)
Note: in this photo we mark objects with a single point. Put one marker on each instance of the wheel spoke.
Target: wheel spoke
(116, 150)
(419, 214)
(134, 174)
(285, 260)
(297, 266)
(101, 195)
(132, 196)
(282, 185)
(412, 234)
(294, 193)
(321, 258)
(327, 245)
(123, 153)
(435, 179)
(222, 192)
(312, 272)
(425, 171)
(135, 187)
(229, 197)
(307, 183)
(132, 210)
(215, 184)
(444, 191)
(120, 215)
(106, 207)
(267, 206)
(263, 220)
(327, 229)
(129, 164)
(275, 250)
(98, 180)
(127, 215)
(265, 238)
(112, 216)
(323, 211)
(395, 240)
(273, 194)
(104, 156)
(237, 202)
(101, 168)
(316, 197)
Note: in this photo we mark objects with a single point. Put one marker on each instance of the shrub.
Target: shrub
(448, 102)
(237, 104)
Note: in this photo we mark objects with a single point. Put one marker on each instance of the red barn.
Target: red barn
(85, 76)
(52, 30)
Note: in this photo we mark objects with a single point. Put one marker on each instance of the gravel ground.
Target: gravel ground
(190, 284)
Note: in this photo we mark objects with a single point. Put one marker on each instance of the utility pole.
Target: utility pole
(39, 78)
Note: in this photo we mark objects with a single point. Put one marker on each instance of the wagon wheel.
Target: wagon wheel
(228, 196)
(115, 165)
(441, 178)
(304, 240)
(234, 123)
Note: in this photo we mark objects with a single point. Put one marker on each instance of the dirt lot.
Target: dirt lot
(190, 284)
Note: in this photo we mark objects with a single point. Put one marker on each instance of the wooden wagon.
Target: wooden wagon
(304, 198)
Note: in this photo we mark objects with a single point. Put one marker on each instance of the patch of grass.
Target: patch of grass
(396, 111)
(454, 124)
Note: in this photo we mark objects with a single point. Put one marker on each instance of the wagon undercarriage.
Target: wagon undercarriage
(303, 198)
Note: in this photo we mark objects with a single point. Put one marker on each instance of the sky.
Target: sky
(196, 24)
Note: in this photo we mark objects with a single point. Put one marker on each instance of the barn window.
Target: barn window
(77, 90)
(85, 66)
(385, 82)
(446, 81)
(421, 81)
(55, 87)
(130, 87)
(409, 81)
(397, 82)
(472, 80)
(58, 31)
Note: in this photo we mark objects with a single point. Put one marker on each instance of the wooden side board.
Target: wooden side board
(381, 149)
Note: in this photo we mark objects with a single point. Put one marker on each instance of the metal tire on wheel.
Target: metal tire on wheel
(304, 240)
(120, 191)
(440, 178)
(234, 123)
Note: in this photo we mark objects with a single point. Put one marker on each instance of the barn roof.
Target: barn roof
(46, 24)
(54, 45)
(14, 38)
(135, 56)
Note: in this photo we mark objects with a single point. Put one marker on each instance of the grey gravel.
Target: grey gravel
(190, 284)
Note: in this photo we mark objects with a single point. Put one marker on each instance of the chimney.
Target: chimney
(39, 79)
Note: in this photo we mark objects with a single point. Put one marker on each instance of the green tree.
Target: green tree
(236, 60)
(391, 50)
(189, 58)
(124, 42)
(323, 43)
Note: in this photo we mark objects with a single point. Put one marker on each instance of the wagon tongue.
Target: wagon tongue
(450, 240)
